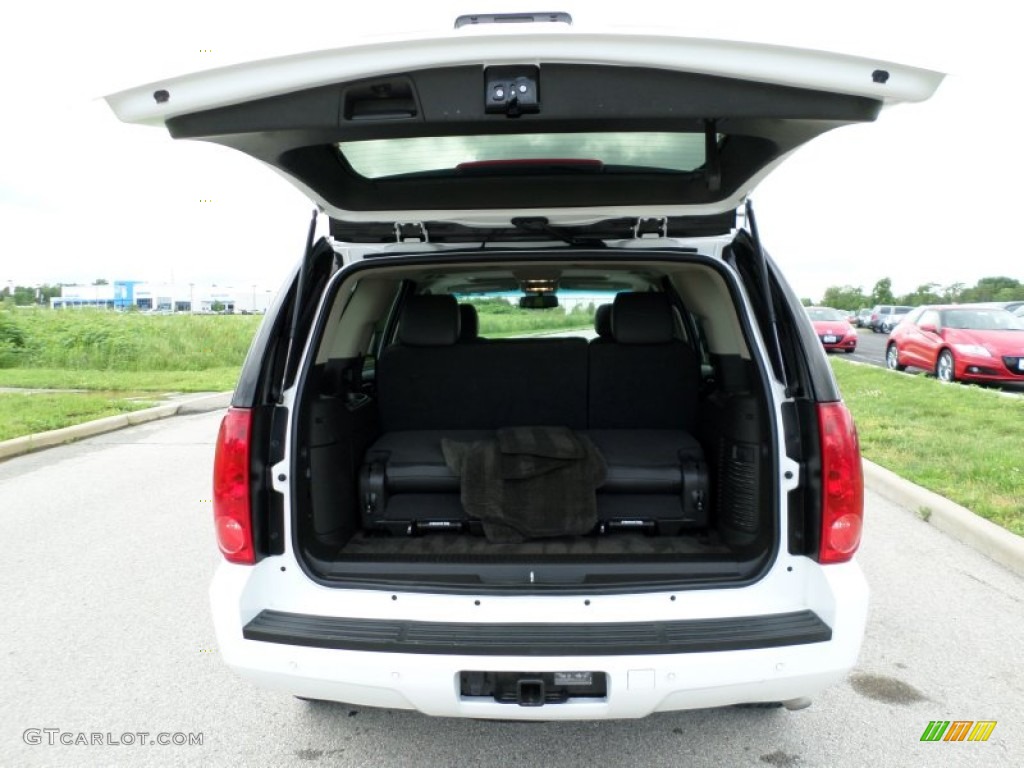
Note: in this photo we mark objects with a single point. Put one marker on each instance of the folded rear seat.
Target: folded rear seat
(431, 388)
(643, 386)
(406, 487)
(656, 481)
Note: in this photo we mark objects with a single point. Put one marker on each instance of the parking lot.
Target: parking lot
(107, 631)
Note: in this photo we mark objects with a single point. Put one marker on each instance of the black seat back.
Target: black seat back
(645, 378)
(428, 381)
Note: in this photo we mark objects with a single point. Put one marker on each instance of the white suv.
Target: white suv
(419, 512)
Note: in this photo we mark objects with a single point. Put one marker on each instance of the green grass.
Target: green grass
(209, 380)
(123, 341)
(126, 361)
(28, 414)
(961, 442)
(499, 319)
(122, 351)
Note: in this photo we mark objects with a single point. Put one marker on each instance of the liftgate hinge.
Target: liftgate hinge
(411, 232)
(651, 227)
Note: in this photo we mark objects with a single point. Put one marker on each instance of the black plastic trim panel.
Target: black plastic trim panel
(620, 639)
(298, 133)
(589, 234)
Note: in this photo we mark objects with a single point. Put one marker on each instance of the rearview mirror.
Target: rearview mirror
(538, 301)
(929, 328)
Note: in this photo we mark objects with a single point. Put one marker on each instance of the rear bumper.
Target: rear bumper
(556, 640)
(637, 687)
(834, 341)
(993, 369)
(850, 344)
(641, 679)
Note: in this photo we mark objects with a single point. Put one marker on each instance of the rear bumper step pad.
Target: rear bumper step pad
(613, 639)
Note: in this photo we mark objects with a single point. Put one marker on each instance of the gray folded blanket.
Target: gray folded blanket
(529, 482)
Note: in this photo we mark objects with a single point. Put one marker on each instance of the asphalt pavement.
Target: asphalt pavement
(109, 551)
(870, 349)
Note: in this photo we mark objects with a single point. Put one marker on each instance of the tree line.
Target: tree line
(24, 295)
(838, 296)
(986, 289)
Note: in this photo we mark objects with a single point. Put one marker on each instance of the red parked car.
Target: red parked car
(960, 342)
(833, 328)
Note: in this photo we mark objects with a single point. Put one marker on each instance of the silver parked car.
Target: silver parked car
(884, 317)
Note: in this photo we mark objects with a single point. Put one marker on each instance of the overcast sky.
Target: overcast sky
(926, 194)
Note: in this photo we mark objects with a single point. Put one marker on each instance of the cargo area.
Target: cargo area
(636, 451)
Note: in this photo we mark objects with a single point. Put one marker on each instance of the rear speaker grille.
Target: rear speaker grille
(737, 492)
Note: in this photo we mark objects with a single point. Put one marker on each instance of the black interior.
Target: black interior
(637, 393)
(298, 133)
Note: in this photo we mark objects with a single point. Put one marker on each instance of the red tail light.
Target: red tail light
(232, 515)
(842, 484)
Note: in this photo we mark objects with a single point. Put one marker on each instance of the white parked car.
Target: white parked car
(416, 513)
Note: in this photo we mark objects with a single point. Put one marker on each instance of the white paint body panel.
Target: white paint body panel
(429, 683)
(817, 70)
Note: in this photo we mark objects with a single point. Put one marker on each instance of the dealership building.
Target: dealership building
(164, 297)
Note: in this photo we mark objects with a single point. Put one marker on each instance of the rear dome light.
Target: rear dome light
(231, 490)
(842, 484)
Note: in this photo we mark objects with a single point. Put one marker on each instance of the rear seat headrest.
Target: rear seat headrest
(642, 318)
(603, 321)
(469, 328)
(429, 321)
